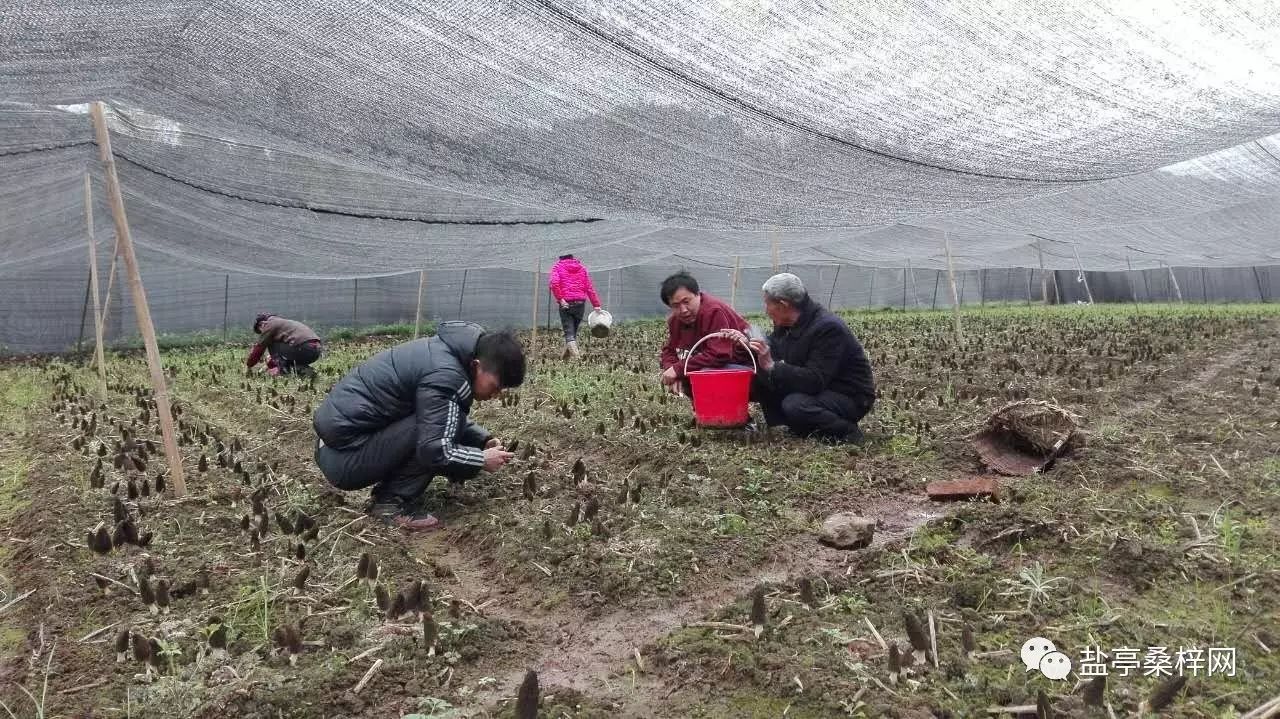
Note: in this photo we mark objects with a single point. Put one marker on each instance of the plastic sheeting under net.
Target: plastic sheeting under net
(348, 139)
(48, 309)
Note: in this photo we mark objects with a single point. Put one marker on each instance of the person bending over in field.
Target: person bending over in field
(570, 283)
(400, 419)
(694, 315)
(292, 346)
(815, 377)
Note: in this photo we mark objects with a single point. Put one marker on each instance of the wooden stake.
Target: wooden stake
(733, 286)
(537, 280)
(776, 260)
(93, 288)
(140, 306)
(915, 291)
(1083, 278)
(111, 281)
(951, 275)
(1044, 279)
(417, 314)
(1176, 288)
(1133, 294)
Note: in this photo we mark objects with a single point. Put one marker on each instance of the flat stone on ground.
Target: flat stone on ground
(962, 489)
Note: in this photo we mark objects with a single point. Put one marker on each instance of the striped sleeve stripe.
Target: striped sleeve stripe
(453, 452)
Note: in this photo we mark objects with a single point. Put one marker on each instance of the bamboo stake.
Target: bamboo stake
(417, 314)
(951, 275)
(733, 286)
(1080, 267)
(93, 288)
(140, 306)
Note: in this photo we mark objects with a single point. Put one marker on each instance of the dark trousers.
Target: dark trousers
(291, 358)
(571, 318)
(826, 414)
(387, 462)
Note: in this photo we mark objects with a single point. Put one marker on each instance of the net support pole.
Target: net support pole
(84, 315)
(776, 257)
(1262, 297)
(982, 287)
(871, 288)
(1133, 292)
(226, 303)
(733, 283)
(533, 340)
(937, 280)
(417, 313)
(111, 281)
(1044, 279)
(951, 275)
(904, 288)
(140, 306)
(355, 303)
(832, 294)
(93, 288)
(915, 291)
(1008, 283)
(1083, 278)
(1174, 279)
(1204, 287)
(462, 293)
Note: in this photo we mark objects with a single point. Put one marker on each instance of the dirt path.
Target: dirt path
(1215, 365)
(593, 652)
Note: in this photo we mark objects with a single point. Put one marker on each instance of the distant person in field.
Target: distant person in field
(815, 377)
(292, 347)
(695, 315)
(401, 418)
(570, 284)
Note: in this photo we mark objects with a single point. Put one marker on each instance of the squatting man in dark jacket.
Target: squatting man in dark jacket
(401, 418)
(814, 376)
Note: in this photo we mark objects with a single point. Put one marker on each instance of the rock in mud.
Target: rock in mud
(847, 531)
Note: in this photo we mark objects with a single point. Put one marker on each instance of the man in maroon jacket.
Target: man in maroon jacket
(694, 315)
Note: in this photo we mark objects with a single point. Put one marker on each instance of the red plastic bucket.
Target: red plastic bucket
(720, 396)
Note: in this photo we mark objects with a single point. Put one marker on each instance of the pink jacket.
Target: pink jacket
(570, 281)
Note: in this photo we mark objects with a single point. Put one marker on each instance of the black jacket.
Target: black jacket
(819, 353)
(429, 378)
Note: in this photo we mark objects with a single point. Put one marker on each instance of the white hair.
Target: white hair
(785, 287)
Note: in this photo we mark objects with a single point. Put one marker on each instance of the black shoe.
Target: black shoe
(398, 514)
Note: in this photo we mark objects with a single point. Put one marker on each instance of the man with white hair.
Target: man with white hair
(815, 377)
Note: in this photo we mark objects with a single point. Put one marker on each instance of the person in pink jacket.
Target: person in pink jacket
(570, 284)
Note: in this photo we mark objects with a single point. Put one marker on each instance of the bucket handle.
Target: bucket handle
(754, 368)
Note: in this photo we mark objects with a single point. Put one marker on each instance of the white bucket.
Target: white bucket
(600, 322)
